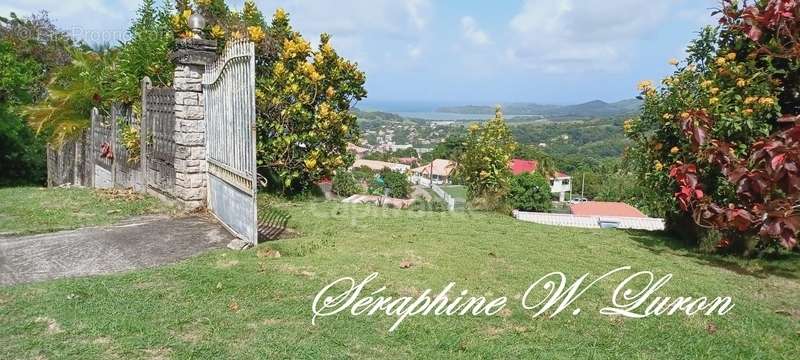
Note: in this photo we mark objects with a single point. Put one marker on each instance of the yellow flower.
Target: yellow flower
(731, 56)
(713, 101)
(750, 99)
(217, 32)
(741, 82)
(684, 115)
(714, 91)
(721, 61)
(645, 85)
(177, 22)
(203, 3)
(187, 13)
(280, 14)
(668, 116)
(187, 35)
(256, 33)
(675, 150)
(345, 128)
(673, 61)
(659, 166)
(311, 164)
(748, 112)
(237, 35)
(707, 83)
(767, 101)
(330, 92)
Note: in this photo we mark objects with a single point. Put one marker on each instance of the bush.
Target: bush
(425, 205)
(397, 183)
(530, 192)
(345, 184)
(717, 143)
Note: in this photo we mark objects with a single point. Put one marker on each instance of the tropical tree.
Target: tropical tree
(717, 144)
(71, 94)
(303, 104)
(484, 164)
(31, 48)
(145, 54)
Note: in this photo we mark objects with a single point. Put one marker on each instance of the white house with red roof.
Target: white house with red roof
(560, 184)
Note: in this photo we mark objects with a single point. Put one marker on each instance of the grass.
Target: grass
(241, 305)
(27, 210)
(456, 191)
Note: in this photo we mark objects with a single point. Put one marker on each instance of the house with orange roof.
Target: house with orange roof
(438, 172)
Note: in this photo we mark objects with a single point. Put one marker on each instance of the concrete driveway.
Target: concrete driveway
(133, 244)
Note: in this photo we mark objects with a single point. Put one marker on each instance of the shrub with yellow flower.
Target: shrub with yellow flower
(217, 32)
(256, 34)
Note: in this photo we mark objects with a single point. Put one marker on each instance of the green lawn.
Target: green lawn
(25, 210)
(457, 191)
(241, 305)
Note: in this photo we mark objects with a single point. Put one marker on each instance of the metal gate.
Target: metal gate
(230, 105)
(158, 138)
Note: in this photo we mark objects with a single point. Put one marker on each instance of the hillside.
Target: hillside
(249, 305)
(596, 108)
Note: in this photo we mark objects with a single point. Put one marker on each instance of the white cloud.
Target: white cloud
(473, 33)
(567, 35)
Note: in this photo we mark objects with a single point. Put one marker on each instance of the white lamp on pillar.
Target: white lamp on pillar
(197, 23)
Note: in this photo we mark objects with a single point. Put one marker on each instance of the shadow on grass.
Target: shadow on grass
(783, 264)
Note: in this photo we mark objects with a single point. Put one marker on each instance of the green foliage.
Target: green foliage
(484, 164)
(145, 54)
(345, 184)
(303, 103)
(25, 63)
(739, 95)
(72, 93)
(434, 205)
(452, 148)
(397, 184)
(530, 192)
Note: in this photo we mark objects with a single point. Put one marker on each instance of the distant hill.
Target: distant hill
(594, 108)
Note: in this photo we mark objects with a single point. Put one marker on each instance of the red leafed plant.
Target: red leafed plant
(768, 186)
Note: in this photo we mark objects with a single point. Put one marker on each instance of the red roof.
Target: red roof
(519, 166)
(598, 208)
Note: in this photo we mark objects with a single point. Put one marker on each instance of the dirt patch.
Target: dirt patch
(226, 263)
(52, 325)
(158, 354)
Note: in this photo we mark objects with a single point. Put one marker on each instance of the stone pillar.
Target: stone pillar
(190, 60)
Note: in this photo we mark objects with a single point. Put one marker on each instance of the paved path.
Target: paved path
(136, 243)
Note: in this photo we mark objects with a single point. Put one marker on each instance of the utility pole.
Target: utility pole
(583, 184)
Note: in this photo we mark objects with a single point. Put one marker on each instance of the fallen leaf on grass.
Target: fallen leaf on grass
(405, 264)
(711, 328)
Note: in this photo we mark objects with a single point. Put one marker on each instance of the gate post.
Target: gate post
(143, 131)
(190, 125)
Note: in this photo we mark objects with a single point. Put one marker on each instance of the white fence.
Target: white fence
(451, 202)
(591, 222)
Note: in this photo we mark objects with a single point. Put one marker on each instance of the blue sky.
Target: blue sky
(478, 52)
